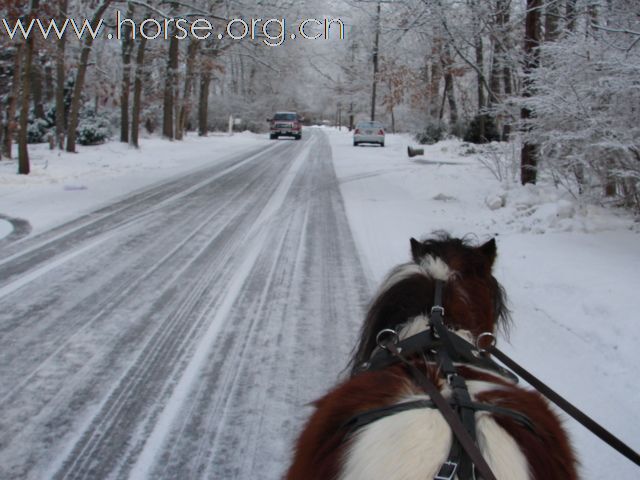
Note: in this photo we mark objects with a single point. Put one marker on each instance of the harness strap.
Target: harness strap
(459, 430)
(425, 341)
(370, 416)
(568, 407)
(459, 457)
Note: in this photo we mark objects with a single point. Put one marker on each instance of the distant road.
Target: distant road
(179, 333)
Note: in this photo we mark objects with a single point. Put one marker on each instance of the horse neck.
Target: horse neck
(408, 292)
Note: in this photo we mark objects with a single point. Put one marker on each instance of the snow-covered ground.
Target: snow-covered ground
(62, 186)
(570, 270)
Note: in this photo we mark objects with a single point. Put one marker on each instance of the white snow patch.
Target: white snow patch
(5, 228)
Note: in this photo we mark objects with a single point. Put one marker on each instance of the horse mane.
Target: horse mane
(408, 289)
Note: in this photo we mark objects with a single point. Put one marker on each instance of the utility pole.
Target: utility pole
(375, 63)
(353, 62)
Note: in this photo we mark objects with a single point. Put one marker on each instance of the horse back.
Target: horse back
(414, 444)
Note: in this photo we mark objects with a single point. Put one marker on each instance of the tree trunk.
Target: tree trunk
(36, 85)
(12, 102)
(23, 153)
(435, 76)
(570, 14)
(242, 84)
(610, 184)
(393, 120)
(551, 21)
(451, 97)
(592, 18)
(185, 107)
(137, 92)
(170, 88)
(203, 103)
(529, 152)
(480, 80)
(61, 120)
(234, 76)
(508, 91)
(376, 47)
(480, 76)
(495, 80)
(80, 75)
(127, 48)
(502, 19)
(177, 102)
(48, 82)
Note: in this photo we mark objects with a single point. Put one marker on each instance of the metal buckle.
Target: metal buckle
(437, 308)
(492, 343)
(382, 340)
(447, 471)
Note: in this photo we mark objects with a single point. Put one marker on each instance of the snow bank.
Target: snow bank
(5, 228)
(62, 186)
(543, 208)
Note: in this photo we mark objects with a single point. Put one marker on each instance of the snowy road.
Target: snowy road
(178, 332)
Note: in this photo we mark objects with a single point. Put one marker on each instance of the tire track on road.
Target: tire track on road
(181, 341)
(239, 419)
(163, 352)
(21, 257)
(104, 305)
(260, 170)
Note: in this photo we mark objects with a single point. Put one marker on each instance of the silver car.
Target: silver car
(368, 132)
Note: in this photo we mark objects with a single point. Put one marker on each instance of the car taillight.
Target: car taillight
(357, 132)
(381, 132)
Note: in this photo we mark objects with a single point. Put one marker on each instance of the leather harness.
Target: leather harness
(439, 345)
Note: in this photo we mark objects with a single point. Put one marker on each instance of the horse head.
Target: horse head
(474, 300)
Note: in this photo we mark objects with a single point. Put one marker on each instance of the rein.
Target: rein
(577, 414)
(459, 411)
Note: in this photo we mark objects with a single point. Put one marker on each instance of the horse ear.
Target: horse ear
(416, 249)
(489, 250)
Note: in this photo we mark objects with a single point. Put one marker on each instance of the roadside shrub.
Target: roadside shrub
(432, 133)
(37, 130)
(457, 129)
(93, 129)
(474, 133)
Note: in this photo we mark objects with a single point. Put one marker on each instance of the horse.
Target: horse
(380, 422)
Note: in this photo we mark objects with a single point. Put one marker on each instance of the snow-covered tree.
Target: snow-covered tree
(586, 103)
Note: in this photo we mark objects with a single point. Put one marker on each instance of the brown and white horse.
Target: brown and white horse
(415, 443)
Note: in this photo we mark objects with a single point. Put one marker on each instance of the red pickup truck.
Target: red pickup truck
(285, 124)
